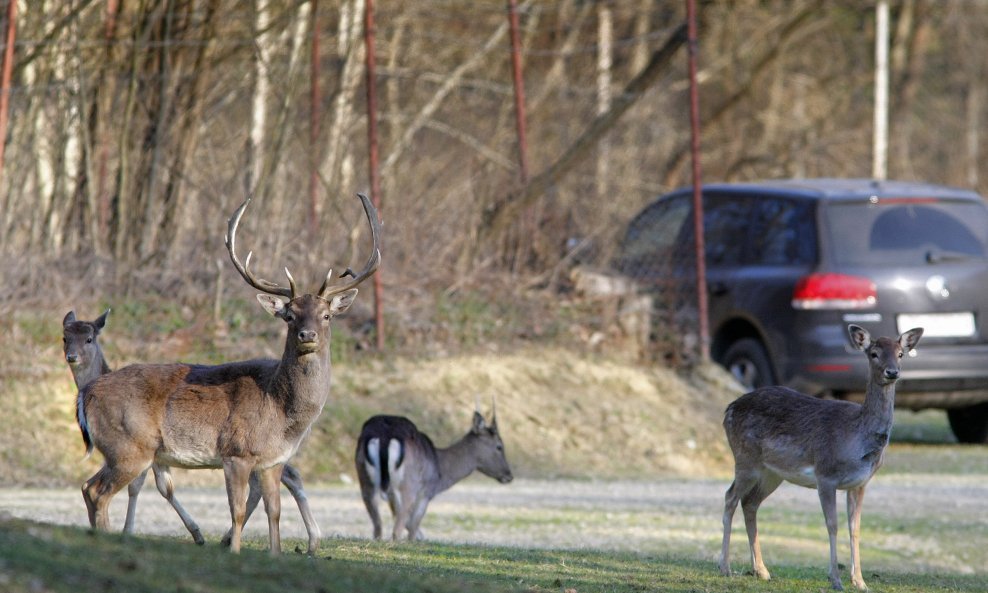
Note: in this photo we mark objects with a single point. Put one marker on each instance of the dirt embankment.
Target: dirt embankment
(562, 414)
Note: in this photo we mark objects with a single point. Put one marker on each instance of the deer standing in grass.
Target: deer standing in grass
(396, 462)
(84, 355)
(779, 434)
(243, 417)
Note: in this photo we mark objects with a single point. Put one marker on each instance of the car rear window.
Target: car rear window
(907, 231)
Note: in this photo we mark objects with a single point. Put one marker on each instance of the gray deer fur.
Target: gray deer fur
(397, 462)
(778, 434)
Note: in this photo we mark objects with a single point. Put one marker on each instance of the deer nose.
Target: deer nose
(892, 374)
(71, 358)
(307, 336)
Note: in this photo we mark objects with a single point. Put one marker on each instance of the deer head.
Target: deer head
(884, 354)
(79, 339)
(307, 315)
(491, 459)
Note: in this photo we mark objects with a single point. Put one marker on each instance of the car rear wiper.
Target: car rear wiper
(936, 256)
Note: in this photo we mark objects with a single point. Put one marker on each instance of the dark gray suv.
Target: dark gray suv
(791, 262)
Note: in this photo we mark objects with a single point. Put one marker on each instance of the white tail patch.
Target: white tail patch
(395, 466)
(373, 462)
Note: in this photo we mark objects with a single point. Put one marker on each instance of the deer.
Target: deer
(244, 417)
(84, 355)
(778, 434)
(397, 462)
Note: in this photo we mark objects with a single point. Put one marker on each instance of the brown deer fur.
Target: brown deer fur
(244, 417)
(85, 358)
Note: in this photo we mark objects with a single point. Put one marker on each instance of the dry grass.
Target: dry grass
(562, 411)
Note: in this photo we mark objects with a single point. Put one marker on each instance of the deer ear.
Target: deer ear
(909, 339)
(478, 423)
(860, 338)
(69, 318)
(271, 304)
(342, 302)
(101, 320)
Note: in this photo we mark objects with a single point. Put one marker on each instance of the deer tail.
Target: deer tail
(80, 412)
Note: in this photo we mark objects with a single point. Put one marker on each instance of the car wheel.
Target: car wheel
(970, 424)
(748, 362)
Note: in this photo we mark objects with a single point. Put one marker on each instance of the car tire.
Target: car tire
(970, 424)
(747, 360)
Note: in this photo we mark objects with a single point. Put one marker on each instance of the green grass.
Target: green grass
(35, 557)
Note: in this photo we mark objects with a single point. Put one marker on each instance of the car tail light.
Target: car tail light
(834, 291)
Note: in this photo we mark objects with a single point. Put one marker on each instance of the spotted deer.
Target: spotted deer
(84, 355)
(778, 434)
(243, 417)
(397, 462)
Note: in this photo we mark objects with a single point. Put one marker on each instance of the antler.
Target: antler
(258, 283)
(327, 291)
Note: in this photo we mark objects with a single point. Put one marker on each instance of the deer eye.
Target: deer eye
(326, 316)
(89, 340)
(874, 355)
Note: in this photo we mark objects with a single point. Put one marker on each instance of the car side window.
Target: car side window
(650, 242)
(725, 228)
(783, 232)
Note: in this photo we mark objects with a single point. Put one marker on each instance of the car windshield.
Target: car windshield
(907, 231)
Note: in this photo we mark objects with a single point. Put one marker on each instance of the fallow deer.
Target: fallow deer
(397, 462)
(84, 355)
(779, 434)
(243, 417)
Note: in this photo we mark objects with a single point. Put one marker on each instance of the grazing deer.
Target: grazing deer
(86, 361)
(243, 417)
(400, 464)
(779, 434)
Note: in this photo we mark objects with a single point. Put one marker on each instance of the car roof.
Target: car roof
(838, 189)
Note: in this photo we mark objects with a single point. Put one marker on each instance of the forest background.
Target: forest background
(137, 127)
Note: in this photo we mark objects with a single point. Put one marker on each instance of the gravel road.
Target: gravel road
(917, 521)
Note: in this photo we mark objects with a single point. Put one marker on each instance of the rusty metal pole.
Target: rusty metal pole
(519, 84)
(701, 264)
(315, 103)
(8, 68)
(372, 165)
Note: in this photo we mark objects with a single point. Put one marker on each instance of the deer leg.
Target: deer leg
(87, 497)
(400, 510)
(133, 490)
(749, 507)
(293, 481)
(253, 497)
(99, 490)
(369, 495)
(163, 480)
(855, 498)
(236, 472)
(828, 501)
(270, 479)
(731, 500)
(418, 511)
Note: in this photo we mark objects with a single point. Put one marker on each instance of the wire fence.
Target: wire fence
(134, 132)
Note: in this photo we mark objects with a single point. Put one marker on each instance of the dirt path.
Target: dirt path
(911, 522)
